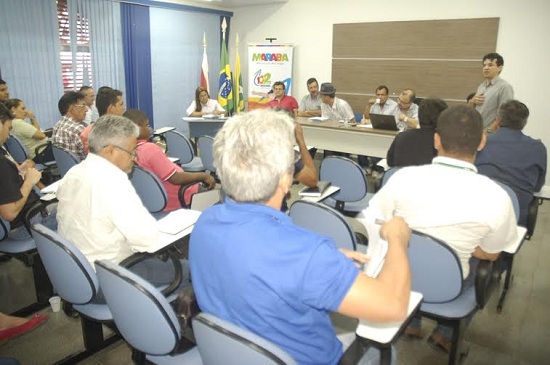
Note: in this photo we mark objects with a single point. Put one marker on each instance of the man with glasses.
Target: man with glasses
(99, 210)
(406, 113)
(66, 132)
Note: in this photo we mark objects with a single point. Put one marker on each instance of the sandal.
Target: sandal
(31, 324)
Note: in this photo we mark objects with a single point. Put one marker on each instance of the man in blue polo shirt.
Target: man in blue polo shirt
(251, 265)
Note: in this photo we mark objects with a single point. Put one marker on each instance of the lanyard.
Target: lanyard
(454, 166)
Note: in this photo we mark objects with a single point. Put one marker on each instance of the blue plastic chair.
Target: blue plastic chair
(25, 250)
(323, 220)
(437, 274)
(353, 195)
(149, 188)
(19, 153)
(64, 159)
(177, 145)
(76, 282)
(222, 342)
(206, 144)
(144, 317)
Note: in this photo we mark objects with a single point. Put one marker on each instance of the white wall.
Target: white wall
(522, 38)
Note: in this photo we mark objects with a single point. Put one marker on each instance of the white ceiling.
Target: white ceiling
(236, 3)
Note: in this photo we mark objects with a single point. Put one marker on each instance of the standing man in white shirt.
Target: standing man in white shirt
(492, 92)
(99, 210)
(310, 106)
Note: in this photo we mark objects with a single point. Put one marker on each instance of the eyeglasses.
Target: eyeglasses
(131, 153)
(80, 105)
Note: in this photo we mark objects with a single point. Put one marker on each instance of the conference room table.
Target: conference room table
(199, 126)
(336, 136)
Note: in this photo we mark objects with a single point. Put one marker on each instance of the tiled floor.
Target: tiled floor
(519, 335)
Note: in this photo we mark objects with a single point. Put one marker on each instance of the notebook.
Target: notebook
(381, 121)
(178, 220)
(378, 247)
(316, 191)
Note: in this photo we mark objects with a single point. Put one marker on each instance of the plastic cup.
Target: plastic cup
(377, 101)
(55, 303)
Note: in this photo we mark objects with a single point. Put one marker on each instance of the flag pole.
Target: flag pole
(225, 92)
(205, 83)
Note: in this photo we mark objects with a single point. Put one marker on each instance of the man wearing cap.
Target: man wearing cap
(334, 108)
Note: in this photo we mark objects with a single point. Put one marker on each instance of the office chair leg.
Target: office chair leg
(507, 281)
(138, 357)
(42, 284)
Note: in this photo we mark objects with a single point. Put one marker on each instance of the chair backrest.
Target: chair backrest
(201, 201)
(177, 145)
(71, 274)
(436, 269)
(16, 149)
(512, 195)
(206, 144)
(346, 174)
(149, 188)
(64, 159)
(221, 342)
(4, 229)
(387, 174)
(141, 313)
(324, 220)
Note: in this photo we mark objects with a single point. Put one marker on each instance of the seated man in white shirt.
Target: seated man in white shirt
(335, 108)
(448, 200)
(99, 210)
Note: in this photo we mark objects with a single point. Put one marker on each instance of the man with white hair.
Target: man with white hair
(252, 266)
(99, 210)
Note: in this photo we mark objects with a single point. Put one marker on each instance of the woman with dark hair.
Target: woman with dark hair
(30, 134)
(203, 105)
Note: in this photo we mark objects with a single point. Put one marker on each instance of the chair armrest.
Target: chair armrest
(181, 194)
(487, 277)
(171, 254)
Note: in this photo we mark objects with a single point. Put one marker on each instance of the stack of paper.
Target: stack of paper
(378, 247)
(178, 220)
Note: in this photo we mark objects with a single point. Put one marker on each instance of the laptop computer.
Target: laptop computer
(381, 121)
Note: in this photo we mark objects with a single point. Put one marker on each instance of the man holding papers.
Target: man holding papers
(253, 267)
(99, 210)
(450, 201)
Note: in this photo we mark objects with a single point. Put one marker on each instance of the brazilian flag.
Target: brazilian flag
(225, 93)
